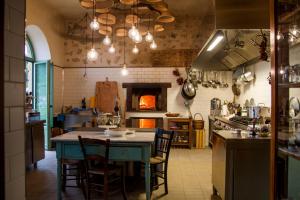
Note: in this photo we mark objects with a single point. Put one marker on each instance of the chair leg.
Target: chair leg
(64, 177)
(105, 192)
(123, 184)
(166, 179)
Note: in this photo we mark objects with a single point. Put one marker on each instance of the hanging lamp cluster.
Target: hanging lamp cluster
(141, 21)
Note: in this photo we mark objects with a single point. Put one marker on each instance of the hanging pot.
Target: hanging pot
(188, 91)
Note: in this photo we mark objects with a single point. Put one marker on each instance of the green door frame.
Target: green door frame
(49, 98)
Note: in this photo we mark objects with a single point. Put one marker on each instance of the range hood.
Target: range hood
(238, 25)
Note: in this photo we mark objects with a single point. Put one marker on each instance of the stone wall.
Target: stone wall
(184, 38)
(14, 100)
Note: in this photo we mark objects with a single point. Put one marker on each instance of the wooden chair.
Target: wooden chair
(71, 169)
(159, 161)
(99, 173)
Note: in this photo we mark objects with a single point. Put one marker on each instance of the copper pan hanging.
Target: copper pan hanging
(128, 2)
(132, 19)
(161, 6)
(158, 28)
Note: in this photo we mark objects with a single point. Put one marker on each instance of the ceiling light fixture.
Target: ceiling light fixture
(124, 70)
(217, 39)
(107, 40)
(279, 36)
(153, 45)
(92, 54)
(135, 50)
(112, 49)
(149, 37)
(94, 25)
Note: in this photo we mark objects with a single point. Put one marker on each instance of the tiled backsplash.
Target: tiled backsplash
(76, 87)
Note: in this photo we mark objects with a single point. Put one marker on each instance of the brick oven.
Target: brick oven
(147, 98)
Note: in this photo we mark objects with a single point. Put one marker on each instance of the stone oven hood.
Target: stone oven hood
(238, 21)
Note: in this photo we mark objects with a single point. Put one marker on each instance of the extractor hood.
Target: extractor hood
(238, 25)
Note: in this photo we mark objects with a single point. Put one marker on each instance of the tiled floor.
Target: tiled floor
(189, 179)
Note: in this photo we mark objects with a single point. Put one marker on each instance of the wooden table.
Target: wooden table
(136, 147)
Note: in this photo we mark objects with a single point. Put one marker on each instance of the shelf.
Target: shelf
(181, 131)
(289, 85)
(180, 143)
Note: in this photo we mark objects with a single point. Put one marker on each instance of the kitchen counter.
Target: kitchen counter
(232, 135)
(240, 162)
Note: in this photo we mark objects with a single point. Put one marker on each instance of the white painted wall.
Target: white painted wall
(259, 89)
(75, 88)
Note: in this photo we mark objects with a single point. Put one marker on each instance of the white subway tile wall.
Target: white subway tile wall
(14, 100)
(259, 89)
(75, 88)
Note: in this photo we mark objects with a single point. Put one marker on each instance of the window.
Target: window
(29, 61)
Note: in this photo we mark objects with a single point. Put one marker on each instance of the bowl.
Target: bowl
(116, 132)
(172, 114)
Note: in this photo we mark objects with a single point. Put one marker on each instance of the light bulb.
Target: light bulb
(124, 70)
(292, 39)
(94, 25)
(138, 38)
(153, 45)
(135, 50)
(106, 40)
(278, 36)
(112, 49)
(132, 32)
(149, 37)
(295, 31)
(92, 54)
(281, 71)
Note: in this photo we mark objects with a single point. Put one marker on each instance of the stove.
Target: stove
(242, 120)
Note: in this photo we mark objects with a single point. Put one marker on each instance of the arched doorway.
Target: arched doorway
(39, 77)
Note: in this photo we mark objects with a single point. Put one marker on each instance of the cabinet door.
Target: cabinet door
(38, 143)
(286, 96)
(219, 164)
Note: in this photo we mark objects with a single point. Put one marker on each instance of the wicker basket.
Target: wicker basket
(198, 123)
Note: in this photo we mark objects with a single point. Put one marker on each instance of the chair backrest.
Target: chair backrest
(163, 142)
(88, 157)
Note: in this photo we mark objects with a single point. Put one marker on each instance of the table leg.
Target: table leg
(147, 180)
(58, 181)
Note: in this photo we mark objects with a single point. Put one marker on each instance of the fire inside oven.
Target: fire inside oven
(147, 123)
(147, 102)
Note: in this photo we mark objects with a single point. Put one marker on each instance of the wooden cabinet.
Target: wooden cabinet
(183, 131)
(34, 142)
(240, 166)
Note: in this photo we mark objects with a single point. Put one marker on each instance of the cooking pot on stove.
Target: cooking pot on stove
(188, 91)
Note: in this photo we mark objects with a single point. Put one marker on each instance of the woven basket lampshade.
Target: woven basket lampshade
(86, 3)
(121, 32)
(154, 1)
(102, 10)
(128, 2)
(165, 17)
(161, 6)
(158, 28)
(107, 18)
(105, 30)
(132, 19)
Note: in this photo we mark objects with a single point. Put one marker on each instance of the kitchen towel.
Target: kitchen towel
(106, 95)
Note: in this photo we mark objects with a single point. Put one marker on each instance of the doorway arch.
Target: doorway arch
(39, 43)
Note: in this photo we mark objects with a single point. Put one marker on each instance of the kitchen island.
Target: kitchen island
(240, 165)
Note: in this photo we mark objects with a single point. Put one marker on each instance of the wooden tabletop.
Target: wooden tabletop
(141, 137)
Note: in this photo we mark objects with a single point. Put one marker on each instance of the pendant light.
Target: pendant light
(94, 25)
(149, 36)
(86, 47)
(124, 70)
(153, 44)
(135, 50)
(92, 54)
(112, 48)
(106, 40)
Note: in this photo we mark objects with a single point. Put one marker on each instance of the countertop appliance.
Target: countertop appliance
(215, 107)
